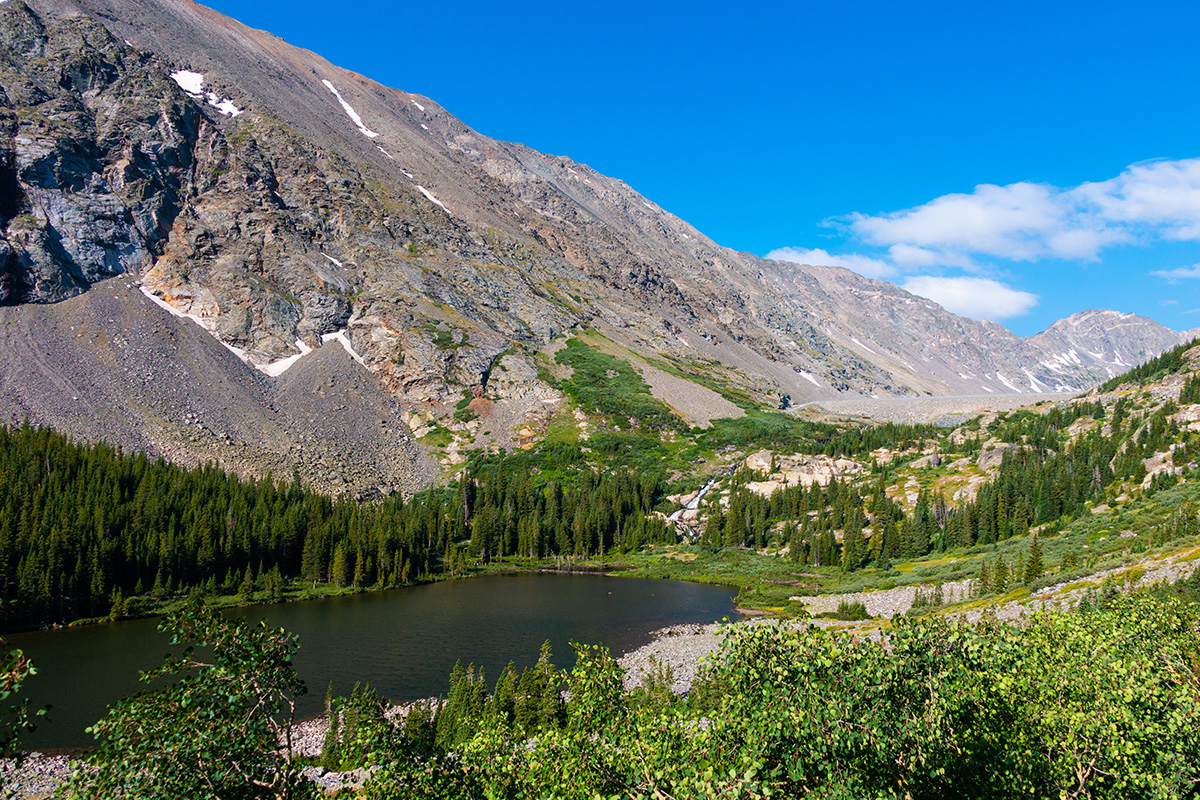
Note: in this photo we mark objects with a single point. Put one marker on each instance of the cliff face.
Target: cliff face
(282, 203)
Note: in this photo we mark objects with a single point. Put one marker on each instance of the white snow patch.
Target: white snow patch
(1034, 383)
(223, 104)
(684, 235)
(385, 152)
(1066, 359)
(418, 105)
(423, 125)
(1099, 355)
(190, 82)
(277, 368)
(964, 376)
(429, 196)
(407, 174)
(1007, 382)
(273, 369)
(331, 258)
(863, 346)
(988, 389)
(203, 323)
(809, 377)
(685, 341)
(350, 112)
(647, 205)
(340, 336)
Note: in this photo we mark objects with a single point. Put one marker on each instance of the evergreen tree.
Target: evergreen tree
(983, 581)
(853, 546)
(1000, 576)
(1033, 566)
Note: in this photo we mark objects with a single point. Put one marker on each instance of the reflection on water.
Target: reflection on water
(403, 642)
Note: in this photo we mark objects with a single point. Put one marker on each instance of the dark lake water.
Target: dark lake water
(403, 642)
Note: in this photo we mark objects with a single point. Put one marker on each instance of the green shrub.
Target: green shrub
(214, 732)
(936, 710)
(851, 611)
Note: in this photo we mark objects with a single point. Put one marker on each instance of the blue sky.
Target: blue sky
(1016, 161)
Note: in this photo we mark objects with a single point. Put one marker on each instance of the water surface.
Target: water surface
(403, 642)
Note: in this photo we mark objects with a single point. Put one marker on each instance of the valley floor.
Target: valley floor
(945, 409)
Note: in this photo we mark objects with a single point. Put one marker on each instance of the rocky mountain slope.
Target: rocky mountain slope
(282, 204)
(110, 365)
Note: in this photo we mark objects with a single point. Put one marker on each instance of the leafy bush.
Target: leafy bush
(357, 729)
(937, 710)
(851, 611)
(15, 718)
(213, 733)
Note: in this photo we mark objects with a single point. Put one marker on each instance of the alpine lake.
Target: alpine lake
(403, 642)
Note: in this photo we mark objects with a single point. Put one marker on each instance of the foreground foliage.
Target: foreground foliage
(1101, 703)
(214, 732)
(16, 717)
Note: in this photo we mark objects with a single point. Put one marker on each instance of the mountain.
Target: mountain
(217, 179)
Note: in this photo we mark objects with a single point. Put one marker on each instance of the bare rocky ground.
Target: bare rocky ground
(37, 777)
(111, 366)
(945, 410)
(698, 405)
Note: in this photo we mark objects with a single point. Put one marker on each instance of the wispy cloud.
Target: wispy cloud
(863, 265)
(978, 298)
(951, 248)
(1033, 221)
(1178, 274)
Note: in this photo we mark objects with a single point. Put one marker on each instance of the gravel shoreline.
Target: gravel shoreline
(38, 776)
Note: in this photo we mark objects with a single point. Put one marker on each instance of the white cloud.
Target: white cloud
(975, 232)
(863, 265)
(977, 298)
(1162, 194)
(1177, 274)
(1032, 221)
(906, 256)
(1005, 221)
